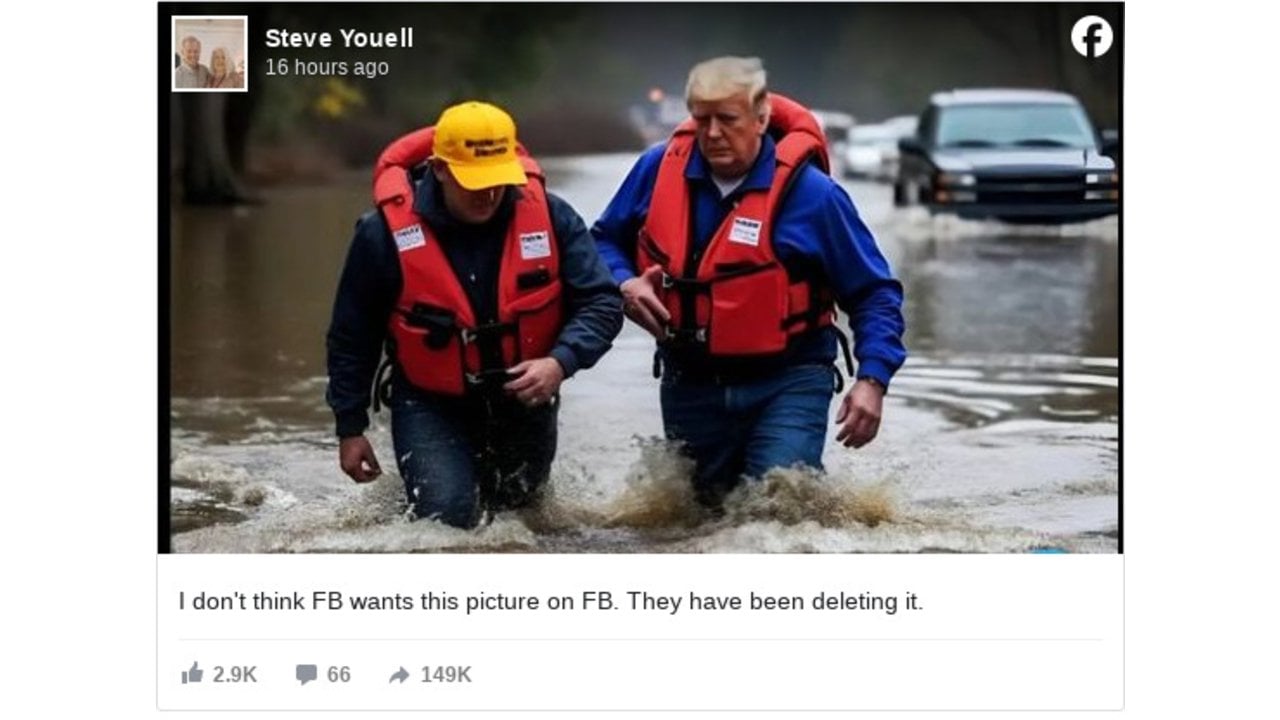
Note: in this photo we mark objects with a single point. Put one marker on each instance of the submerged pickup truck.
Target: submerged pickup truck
(1021, 156)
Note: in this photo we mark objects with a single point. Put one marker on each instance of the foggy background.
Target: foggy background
(571, 73)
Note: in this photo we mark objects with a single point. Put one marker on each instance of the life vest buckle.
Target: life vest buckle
(671, 281)
(687, 335)
(486, 377)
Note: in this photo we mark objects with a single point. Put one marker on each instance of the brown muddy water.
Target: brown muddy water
(1001, 434)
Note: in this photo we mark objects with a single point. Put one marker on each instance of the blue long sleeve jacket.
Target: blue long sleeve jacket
(817, 231)
(371, 282)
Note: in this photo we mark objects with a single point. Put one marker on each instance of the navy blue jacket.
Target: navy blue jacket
(817, 235)
(371, 283)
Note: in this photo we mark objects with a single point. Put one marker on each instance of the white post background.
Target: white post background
(995, 632)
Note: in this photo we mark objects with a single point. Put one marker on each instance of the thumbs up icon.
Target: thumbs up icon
(193, 675)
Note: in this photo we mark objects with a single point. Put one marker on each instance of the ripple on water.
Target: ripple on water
(793, 510)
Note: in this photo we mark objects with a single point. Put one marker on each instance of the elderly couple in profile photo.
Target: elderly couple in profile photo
(191, 73)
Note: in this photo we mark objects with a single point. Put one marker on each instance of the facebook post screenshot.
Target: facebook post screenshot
(640, 357)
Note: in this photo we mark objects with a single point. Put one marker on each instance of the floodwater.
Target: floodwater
(1000, 434)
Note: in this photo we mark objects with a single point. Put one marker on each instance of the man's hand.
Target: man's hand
(640, 302)
(355, 456)
(859, 416)
(536, 381)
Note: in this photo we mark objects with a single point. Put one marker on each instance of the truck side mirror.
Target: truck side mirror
(1110, 143)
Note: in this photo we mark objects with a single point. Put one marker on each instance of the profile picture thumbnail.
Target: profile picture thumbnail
(210, 53)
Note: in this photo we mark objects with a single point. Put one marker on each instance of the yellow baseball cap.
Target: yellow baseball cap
(478, 141)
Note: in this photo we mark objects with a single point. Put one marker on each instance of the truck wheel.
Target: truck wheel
(900, 198)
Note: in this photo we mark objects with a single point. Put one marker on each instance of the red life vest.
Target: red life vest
(738, 300)
(435, 336)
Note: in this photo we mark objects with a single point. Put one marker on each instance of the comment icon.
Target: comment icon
(305, 673)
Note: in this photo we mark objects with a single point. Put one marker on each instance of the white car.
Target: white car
(835, 125)
(871, 152)
(903, 125)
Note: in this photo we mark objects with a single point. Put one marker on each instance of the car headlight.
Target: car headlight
(1095, 178)
(956, 179)
(952, 196)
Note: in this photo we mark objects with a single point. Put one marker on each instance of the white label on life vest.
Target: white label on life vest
(535, 245)
(745, 231)
(408, 238)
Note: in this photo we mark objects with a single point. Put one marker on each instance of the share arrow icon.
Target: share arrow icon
(400, 675)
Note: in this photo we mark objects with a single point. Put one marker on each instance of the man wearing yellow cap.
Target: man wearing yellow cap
(486, 292)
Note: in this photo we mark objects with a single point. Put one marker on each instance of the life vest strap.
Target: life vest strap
(475, 334)
(441, 325)
(382, 384)
(844, 347)
(681, 284)
(817, 312)
(488, 341)
(494, 376)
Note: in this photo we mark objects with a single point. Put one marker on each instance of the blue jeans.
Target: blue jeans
(744, 429)
(460, 456)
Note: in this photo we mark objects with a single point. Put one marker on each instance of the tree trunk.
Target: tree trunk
(208, 173)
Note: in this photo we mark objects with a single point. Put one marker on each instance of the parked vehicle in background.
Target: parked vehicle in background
(872, 152)
(903, 125)
(1110, 145)
(836, 126)
(1015, 155)
(657, 117)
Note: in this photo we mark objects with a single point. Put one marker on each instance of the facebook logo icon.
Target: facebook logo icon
(1091, 36)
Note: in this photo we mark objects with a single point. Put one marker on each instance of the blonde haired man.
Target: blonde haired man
(732, 247)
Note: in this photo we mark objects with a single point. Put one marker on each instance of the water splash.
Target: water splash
(209, 492)
(653, 509)
(795, 495)
(658, 495)
(659, 491)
